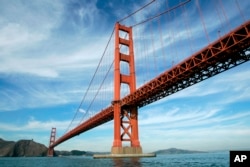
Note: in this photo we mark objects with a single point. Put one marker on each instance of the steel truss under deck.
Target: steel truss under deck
(227, 52)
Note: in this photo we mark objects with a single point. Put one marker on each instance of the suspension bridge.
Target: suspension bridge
(128, 47)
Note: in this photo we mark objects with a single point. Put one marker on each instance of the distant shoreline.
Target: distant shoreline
(177, 151)
(30, 148)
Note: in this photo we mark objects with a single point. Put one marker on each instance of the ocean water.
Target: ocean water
(218, 159)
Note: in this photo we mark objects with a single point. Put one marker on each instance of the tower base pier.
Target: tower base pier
(50, 152)
(147, 155)
(125, 152)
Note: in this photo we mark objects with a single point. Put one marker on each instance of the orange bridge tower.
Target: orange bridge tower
(51, 142)
(125, 117)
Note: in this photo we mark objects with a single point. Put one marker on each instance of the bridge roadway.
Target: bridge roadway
(228, 51)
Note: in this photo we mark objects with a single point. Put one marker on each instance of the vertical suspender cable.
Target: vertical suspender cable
(162, 42)
(153, 46)
(223, 11)
(202, 20)
(175, 44)
(144, 6)
(92, 79)
(187, 29)
(241, 13)
(146, 52)
(221, 22)
(168, 18)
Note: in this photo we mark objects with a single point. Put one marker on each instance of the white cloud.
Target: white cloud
(82, 110)
(49, 51)
(204, 139)
(14, 35)
(31, 42)
(22, 25)
(40, 46)
(39, 131)
(53, 65)
(188, 117)
(182, 124)
(34, 125)
(34, 96)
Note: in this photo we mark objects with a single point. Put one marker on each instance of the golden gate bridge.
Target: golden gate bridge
(141, 48)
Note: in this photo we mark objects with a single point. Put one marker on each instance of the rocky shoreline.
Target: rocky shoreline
(30, 148)
(22, 148)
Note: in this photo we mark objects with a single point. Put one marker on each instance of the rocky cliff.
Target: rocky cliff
(6, 148)
(27, 148)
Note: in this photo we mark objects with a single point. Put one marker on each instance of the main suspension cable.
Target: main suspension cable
(92, 79)
(136, 11)
(162, 13)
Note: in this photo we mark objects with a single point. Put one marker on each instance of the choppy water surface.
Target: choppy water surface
(220, 159)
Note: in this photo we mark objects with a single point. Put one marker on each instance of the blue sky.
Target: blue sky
(49, 51)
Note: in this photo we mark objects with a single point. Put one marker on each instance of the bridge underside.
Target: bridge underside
(227, 52)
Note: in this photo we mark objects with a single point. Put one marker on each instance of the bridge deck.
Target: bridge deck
(228, 51)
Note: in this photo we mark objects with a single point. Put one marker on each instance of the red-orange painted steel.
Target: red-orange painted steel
(51, 141)
(125, 119)
(223, 54)
(117, 86)
(227, 52)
